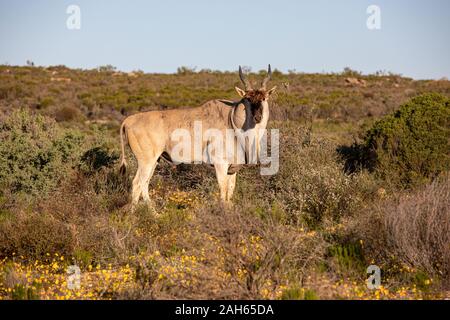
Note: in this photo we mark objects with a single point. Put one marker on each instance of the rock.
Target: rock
(356, 82)
(68, 80)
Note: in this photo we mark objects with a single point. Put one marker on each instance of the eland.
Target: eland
(195, 135)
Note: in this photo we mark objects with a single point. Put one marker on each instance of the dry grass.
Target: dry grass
(418, 228)
(295, 235)
(226, 254)
(412, 229)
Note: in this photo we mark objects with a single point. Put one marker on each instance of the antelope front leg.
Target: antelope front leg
(230, 186)
(222, 179)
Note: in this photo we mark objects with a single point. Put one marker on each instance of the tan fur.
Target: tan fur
(149, 136)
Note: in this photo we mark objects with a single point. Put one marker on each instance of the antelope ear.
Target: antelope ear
(240, 92)
(271, 91)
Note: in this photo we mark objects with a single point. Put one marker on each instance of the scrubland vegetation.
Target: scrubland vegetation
(363, 181)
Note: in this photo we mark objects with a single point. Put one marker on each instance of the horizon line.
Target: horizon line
(195, 69)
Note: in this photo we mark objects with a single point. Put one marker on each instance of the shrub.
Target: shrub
(34, 235)
(183, 70)
(45, 103)
(35, 153)
(297, 293)
(107, 68)
(229, 254)
(68, 113)
(97, 158)
(347, 258)
(413, 228)
(412, 145)
(77, 221)
(310, 186)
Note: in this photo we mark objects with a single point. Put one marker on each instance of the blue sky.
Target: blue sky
(159, 36)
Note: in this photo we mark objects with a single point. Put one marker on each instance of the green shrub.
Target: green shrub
(296, 293)
(412, 145)
(97, 167)
(97, 158)
(347, 258)
(45, 103)
(185, 70)
(21, 292)
(107, 68)
(35, 153)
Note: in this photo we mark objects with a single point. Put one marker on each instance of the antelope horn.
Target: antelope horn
(266, 79)
(246, 83)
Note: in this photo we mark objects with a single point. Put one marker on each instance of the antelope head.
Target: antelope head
(256, 100)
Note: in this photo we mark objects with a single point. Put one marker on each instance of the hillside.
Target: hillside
(105, 94)
(308, 232)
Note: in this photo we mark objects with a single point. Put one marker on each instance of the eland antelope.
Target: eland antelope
(156, 134)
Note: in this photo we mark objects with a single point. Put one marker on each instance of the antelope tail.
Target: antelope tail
(123, 161)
